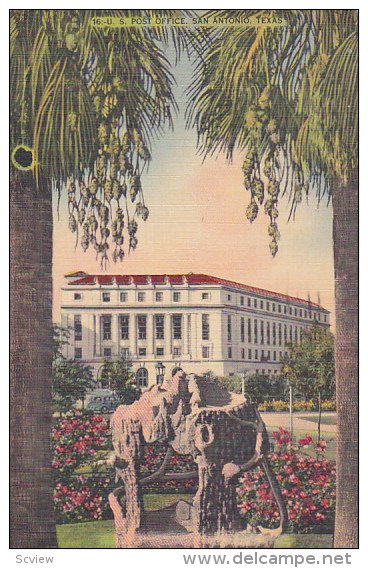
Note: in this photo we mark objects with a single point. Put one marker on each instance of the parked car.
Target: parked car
(101, 400)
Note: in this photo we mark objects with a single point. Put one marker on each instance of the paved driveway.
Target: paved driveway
(300, 421)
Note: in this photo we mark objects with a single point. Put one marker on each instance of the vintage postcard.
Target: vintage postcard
(184, 279)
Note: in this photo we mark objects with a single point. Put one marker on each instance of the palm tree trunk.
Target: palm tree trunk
(31, 508)
(345, 235)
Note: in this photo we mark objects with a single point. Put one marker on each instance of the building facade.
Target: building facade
(194, 320)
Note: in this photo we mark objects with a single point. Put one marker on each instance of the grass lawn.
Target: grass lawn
(100, 534)
(325, 419)
(304, 541)
(94, 534)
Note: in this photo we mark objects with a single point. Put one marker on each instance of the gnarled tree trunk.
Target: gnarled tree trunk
(31, 509)
(345, 235)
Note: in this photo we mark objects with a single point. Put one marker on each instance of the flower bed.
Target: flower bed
(307, 484)
(298, 405)
(82, 483)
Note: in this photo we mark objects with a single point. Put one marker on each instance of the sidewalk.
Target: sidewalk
(300, 421)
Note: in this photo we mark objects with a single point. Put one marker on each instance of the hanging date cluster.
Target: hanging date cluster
(106, 204)
(262, 177)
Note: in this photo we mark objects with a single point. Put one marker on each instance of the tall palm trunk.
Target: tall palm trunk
(32, 522)
(345, 235)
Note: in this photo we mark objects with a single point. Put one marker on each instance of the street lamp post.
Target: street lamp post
(160, 372)
(243, 381)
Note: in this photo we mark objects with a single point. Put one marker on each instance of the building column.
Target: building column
(184, 332)
(150, 335)
(168, 340)
(98, 336)
(189, 333)
(195, 335)
(114, 335)
(89, 331)
(133, 334)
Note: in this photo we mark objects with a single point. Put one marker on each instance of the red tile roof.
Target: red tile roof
(191, 279)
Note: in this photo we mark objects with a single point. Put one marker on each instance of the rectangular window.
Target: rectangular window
(205, 296)
(107, 351)
(248, 302)
(325, 318)
(268, 355)
(242, 300)
(280, 334)
(274, 356)
(273, 307)
(242, 330)
(268, 306)
(290, 311)
(256, 354)
(249, 354)
(249, 330)
(279, 308)
(125, 352)
(255, 331)
(78, 353)
(262, 355)
(291, 334)
(177, 351)
(142, 327)
(123, 296)
(159, 327)
(262, 332)
(229, 328)
(273, 334)
(205, 327)
(159, 351)
(78, 328)
(285, 334)
(295, 312)
(296, 334)
(106, 296)
(159, 296)
(305, 313)
(176, 323)
(205, 352)
(124, 327)
(141, 296)
(284, 309)
(106, 328)
(301, 313)
(77, 296)
(229, 352)
(176, 296)
(243, 353)
(255, 303)
(261, 304)
(229, 297)
(268, 333)
(142, 352)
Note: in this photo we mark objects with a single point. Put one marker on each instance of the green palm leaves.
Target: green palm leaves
(288, 97)
(88, 100)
